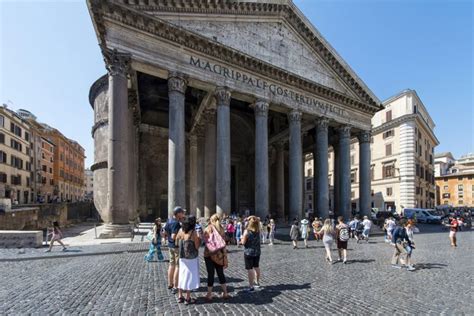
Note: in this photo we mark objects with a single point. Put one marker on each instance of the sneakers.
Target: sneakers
(257, 285)
(411, 268)
(249, 289)
(396, 266)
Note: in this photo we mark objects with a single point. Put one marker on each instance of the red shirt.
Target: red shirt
(454, 225)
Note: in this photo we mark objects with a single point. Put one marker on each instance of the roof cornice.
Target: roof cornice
(402, 119)
(128, 14)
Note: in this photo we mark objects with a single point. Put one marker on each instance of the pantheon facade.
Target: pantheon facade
(211, 105)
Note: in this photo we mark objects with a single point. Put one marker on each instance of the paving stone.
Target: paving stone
(295, 282)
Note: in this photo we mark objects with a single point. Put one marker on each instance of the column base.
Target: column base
(116, 231)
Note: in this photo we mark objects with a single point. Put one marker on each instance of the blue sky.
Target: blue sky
(49, 57)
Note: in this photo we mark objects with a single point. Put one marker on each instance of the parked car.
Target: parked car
(422, 215)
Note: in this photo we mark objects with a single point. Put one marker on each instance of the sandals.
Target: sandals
(190, 301)
(181, 300)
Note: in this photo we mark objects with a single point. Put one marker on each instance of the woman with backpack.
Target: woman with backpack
(215, 256)
(342, 237)
(328, 233)
(251, 242)
(295, 233)
(188, 242)
(155, 243)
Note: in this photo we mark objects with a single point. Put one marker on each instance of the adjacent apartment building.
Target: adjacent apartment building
(455, 184)
(89, 185)
(402, 150)
(42, 162)
(68, 166)
(42, 157)
(15, 157)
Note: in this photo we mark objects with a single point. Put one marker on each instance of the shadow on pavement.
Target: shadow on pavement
(258, 297)
(360, 261)
(428, 266)
(73, 250)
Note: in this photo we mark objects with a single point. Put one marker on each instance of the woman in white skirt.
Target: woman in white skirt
(189, 242)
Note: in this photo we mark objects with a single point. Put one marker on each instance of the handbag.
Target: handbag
(220, 258)
(150, 235)
(215, 241)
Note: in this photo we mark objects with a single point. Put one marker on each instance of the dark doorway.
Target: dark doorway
(390, 206)
(233, 190)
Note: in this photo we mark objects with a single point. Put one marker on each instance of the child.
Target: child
(57, 235)
(155, 244)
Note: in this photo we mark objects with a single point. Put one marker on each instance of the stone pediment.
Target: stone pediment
(271, 36)
(272, 42)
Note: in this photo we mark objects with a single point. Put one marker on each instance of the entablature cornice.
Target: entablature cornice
(129, 17)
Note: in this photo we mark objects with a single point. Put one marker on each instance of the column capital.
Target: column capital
(294, 116)
(344, 131)
(364, 136)
(116, 63)
(261, 107)
(222, 95)
(322, 123)
(177, 82)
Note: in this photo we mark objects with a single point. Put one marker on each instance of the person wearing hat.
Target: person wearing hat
(171, 230)
(304, 229)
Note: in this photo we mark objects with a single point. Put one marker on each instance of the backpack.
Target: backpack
(187, 249)
(344, 234)
(360, 227)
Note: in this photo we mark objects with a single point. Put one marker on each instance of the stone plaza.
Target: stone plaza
(294, 281)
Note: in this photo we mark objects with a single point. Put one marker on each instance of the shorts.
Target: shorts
(174, 256)
(452, 234)
(251, 262)
(341, 244)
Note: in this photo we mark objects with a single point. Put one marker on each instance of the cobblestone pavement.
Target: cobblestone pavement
(295, 282)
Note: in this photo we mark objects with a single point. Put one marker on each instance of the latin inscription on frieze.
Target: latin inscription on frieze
(274, 89)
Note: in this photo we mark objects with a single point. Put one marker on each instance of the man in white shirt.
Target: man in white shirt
(367, 226)
(390, 226)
